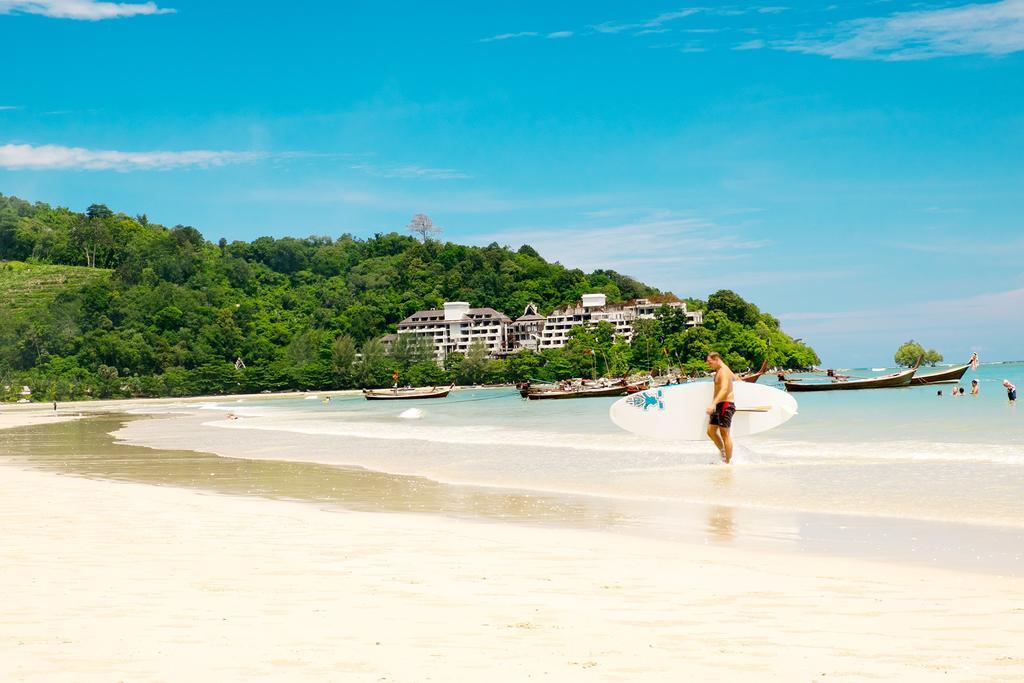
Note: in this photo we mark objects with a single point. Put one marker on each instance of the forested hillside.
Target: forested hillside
(103, 304)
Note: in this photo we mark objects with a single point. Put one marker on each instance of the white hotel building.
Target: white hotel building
(454, 328)
(457, 326)
(594, 309)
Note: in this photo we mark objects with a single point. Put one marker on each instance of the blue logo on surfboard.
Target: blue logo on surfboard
(647, 399)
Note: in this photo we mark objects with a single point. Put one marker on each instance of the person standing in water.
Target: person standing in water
(974, 387)
(1011, 390)
(722, 406)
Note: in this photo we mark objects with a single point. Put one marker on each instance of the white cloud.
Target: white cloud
(995, 28)
(411, 172)
(87, 10)
(750, 45)
(8, 107)
(662, 243)
(528, 34)
(648, 24)
(57, 157)
(509, 36)
(1005, 309)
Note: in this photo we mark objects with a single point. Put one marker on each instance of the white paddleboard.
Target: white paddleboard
(677, 412)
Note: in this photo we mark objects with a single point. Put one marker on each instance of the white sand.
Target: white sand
(24, 416)
(106, 581)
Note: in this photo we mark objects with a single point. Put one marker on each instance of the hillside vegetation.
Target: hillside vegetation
(27, 288)
(103, 304)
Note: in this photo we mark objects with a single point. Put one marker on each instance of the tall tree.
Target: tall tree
(343, 357)
(423, 226)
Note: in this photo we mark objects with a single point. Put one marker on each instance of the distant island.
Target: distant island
(105, 305)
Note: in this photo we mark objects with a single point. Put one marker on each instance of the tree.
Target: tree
(472, 368)
(426, 373)
(734, 307)
(90, 235)
(910, 352)
(523, 365)
(343, 357)
(672, 319)
(423, 226)
(371, 370)
(410, 349)
(98, 211)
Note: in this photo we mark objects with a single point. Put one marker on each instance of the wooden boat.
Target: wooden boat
(577, 392)
(406, 394)
(580, 389)
(950, 376)
(899, 379)
(637, 387)
(754, 376)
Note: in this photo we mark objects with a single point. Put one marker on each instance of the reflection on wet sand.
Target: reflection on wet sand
(720, 523)
(85, 448)
(721, 518)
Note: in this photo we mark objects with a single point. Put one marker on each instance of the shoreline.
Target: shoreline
(209, 398)
(207, 585)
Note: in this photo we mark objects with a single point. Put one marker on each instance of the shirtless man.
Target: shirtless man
(722, 406)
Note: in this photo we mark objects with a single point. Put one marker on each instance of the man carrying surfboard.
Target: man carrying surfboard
(722, 406)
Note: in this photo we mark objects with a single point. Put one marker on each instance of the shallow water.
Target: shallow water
(899, 452)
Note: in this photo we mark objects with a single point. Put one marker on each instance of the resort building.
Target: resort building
(457, 326)
(525, 332)
(593, 308)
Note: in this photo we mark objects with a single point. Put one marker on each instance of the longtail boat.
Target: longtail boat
(950, 376)
(406, 394)
(577, 392)
(580, 389)
(638, 387)
(899, 379)
(754, 376)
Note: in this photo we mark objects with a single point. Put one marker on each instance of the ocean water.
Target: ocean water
(903, 453)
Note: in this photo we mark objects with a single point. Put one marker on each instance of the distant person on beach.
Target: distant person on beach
(974, 387)
(55, 406)
(1011, 391)
(722, 406)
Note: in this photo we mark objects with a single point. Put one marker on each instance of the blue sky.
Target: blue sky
(856, 168)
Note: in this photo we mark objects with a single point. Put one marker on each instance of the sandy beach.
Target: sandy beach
(112, 580)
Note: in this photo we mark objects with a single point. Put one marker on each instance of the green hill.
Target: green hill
(103, 304)
(27, 288)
